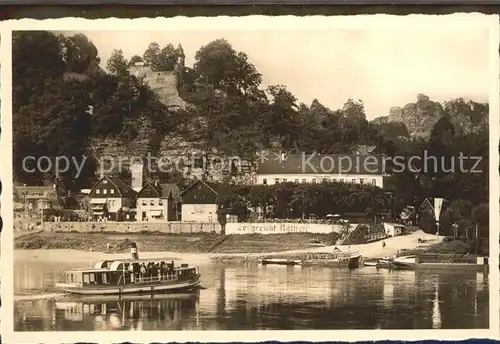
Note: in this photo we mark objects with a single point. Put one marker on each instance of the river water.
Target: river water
(253, 297)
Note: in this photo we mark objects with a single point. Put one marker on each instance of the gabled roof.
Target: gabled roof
(170, 189)
(123, 189)
(211, 186)
(163, 190)
(326, 164)
(153, 186)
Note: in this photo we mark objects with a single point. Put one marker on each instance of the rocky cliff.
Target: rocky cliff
(164, 84)
(420, 117)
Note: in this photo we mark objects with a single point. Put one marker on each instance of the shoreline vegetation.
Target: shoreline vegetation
(201, 248)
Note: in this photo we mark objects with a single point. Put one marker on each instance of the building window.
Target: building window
(374, 182)
(277, 181)
(264, 181)
(112, 191)
(284, 180)
(354, 181)
(152, 202)
(105, 181)
(296, 181)
(160, 202)
(303, 180)
(324, 180)
(314, 181)
(105, 191)
(97, 191)
(144, 203)
(361, 181)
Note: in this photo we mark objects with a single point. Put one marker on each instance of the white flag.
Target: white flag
(438, 203)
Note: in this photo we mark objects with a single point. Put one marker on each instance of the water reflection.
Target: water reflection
(273, 297)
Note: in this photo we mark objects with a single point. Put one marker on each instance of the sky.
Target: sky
(383, 67)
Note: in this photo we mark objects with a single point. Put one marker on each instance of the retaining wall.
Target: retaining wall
(132, 227)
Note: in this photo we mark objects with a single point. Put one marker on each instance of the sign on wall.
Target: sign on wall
(277, 228)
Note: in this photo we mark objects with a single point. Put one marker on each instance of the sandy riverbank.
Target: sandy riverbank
(372, 250)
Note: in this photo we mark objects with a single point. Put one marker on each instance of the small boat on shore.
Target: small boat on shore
(337, 259)
(385, 263)
(370, 263)
(279, 261)
(441, 261)
(404, 262)
(131, 276)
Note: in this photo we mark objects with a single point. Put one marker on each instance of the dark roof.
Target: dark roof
(322, 164)
(170, 189)
(163, 190)
(211, 186)
(124, 189)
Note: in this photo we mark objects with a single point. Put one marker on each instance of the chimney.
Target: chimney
(137, 176)
(133, 251)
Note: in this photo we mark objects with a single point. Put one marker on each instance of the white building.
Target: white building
(318, 168)
(158, 203)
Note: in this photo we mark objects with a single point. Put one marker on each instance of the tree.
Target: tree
(151, 54)
(55, 124)
(281, 120)
(167, 59)
(221, 67)
(353, 122)
(117, 64)
(29, 74)
(481, 214)
(135, 59)
(79, 53)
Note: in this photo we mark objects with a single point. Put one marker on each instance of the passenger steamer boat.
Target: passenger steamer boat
(129, 276)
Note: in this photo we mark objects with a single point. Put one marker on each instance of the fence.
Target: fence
(133, 227)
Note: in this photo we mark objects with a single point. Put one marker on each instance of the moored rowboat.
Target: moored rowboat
(279, 261)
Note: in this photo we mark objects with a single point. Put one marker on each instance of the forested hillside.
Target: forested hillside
(66, 104)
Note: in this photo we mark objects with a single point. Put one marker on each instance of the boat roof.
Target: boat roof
(88, 270)
(128, 260)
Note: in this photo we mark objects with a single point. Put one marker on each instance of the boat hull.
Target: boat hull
(71, 298)
(350, 262)
(279, 262)
(438, 266)
(384, 264)
(136, 288)
(448, 266)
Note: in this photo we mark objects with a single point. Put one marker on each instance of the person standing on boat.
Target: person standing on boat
(143, 272)
(132, 272)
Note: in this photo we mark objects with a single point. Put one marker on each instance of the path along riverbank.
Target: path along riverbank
(371, 250)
